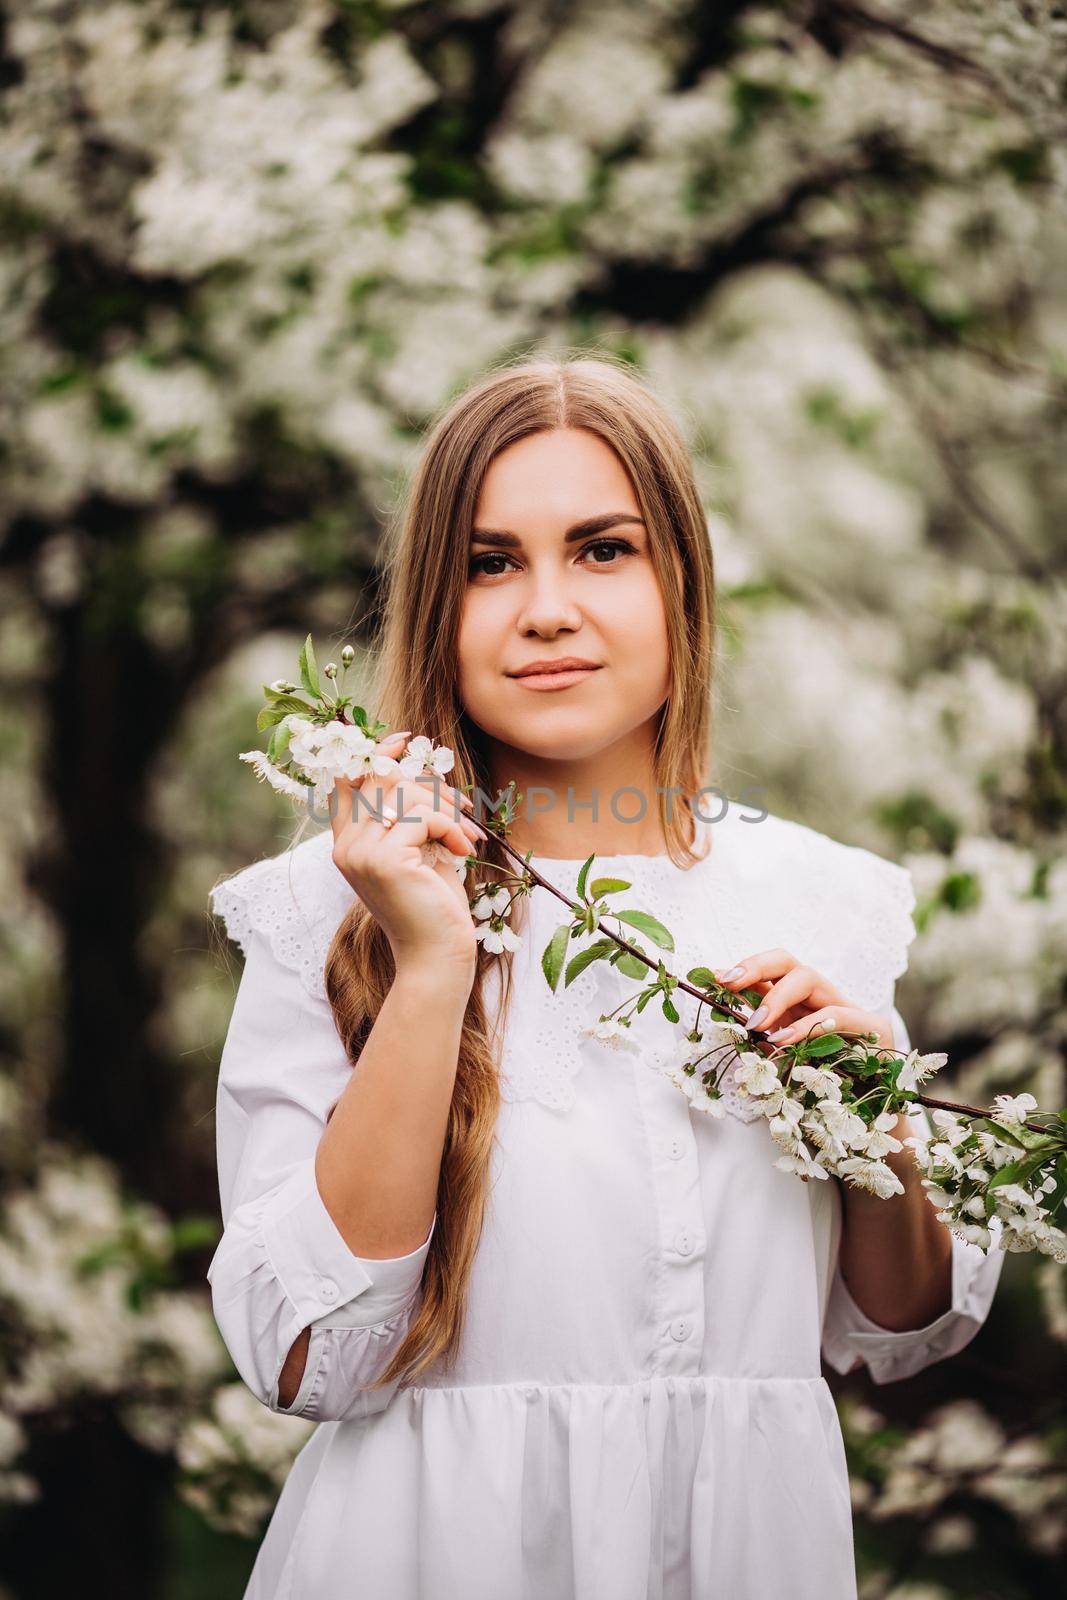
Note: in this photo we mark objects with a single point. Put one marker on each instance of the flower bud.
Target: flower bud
(348, 655)
(330, 669)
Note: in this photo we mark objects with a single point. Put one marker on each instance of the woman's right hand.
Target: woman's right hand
(423, 908)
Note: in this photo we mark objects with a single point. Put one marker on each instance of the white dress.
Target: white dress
(638, 1410)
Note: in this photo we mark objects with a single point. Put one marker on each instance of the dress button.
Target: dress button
(676, 1149)
(683, 1242)
(328, 1291)
(680, 1328)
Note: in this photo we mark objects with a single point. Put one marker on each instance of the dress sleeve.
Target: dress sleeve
(281, 1264)
(851, 1339)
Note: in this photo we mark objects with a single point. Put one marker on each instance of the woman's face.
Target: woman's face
(548, 579)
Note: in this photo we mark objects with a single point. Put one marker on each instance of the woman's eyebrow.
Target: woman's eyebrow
(580, 530)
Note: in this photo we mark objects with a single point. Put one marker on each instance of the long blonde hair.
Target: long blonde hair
(425, 569)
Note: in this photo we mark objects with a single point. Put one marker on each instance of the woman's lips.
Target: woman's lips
(545, 681)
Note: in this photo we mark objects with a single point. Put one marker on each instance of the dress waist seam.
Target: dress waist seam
(666, 1379)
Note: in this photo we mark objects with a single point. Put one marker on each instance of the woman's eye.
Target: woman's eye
(477, 564)
(609, 544)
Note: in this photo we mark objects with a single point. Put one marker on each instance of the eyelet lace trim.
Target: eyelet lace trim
(296, 900)
(768, 884)
(870, 921)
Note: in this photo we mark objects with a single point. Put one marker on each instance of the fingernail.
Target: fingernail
(779, 1033)
(757, 1017)
(828, 1024)
(728, 977)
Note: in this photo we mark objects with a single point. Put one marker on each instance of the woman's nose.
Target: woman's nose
(549, 603)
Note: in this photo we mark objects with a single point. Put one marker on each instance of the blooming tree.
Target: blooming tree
(248, 250)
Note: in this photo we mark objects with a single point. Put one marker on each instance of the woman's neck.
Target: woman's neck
(607, 804)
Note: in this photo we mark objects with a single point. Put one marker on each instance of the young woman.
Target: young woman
(562, 1331)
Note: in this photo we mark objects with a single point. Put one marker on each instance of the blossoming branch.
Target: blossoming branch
(830, 1101)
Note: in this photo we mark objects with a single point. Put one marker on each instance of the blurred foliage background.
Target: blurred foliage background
(247, 249)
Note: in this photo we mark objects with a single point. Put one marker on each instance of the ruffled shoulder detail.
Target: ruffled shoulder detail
(868, 921)
(296, 900)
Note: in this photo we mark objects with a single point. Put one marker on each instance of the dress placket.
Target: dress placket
(683, 1248)
(678, 1285)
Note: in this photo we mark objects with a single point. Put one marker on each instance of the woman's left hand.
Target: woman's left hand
(798, 1001)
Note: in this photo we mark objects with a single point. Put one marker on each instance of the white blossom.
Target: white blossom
(491, 902)
(608, 1030)
(497, 936)
(917, 1068)
(1013, 1108)
(420, 756)
(265, 770)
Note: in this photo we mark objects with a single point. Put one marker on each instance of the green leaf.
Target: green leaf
(961, 891)
(107, 1254)
(643, 998)
(1006, 1135)
(1039, 1158)
(602, 886)
(1056, 1197)
(1013, 1172)
(703, 978)
(1030, 1139)
(669, 1010)
(824, 1045)
(283, 705)
(193, 1232)
(632, 967)
(1026, 1138)
(594, 952)
(309, 671)
(583, 874)
(137, 1292)
(648, 925)
(555, 950)
(278, 748)
(269, 716)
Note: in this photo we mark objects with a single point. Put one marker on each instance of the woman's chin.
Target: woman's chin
(562, 737)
